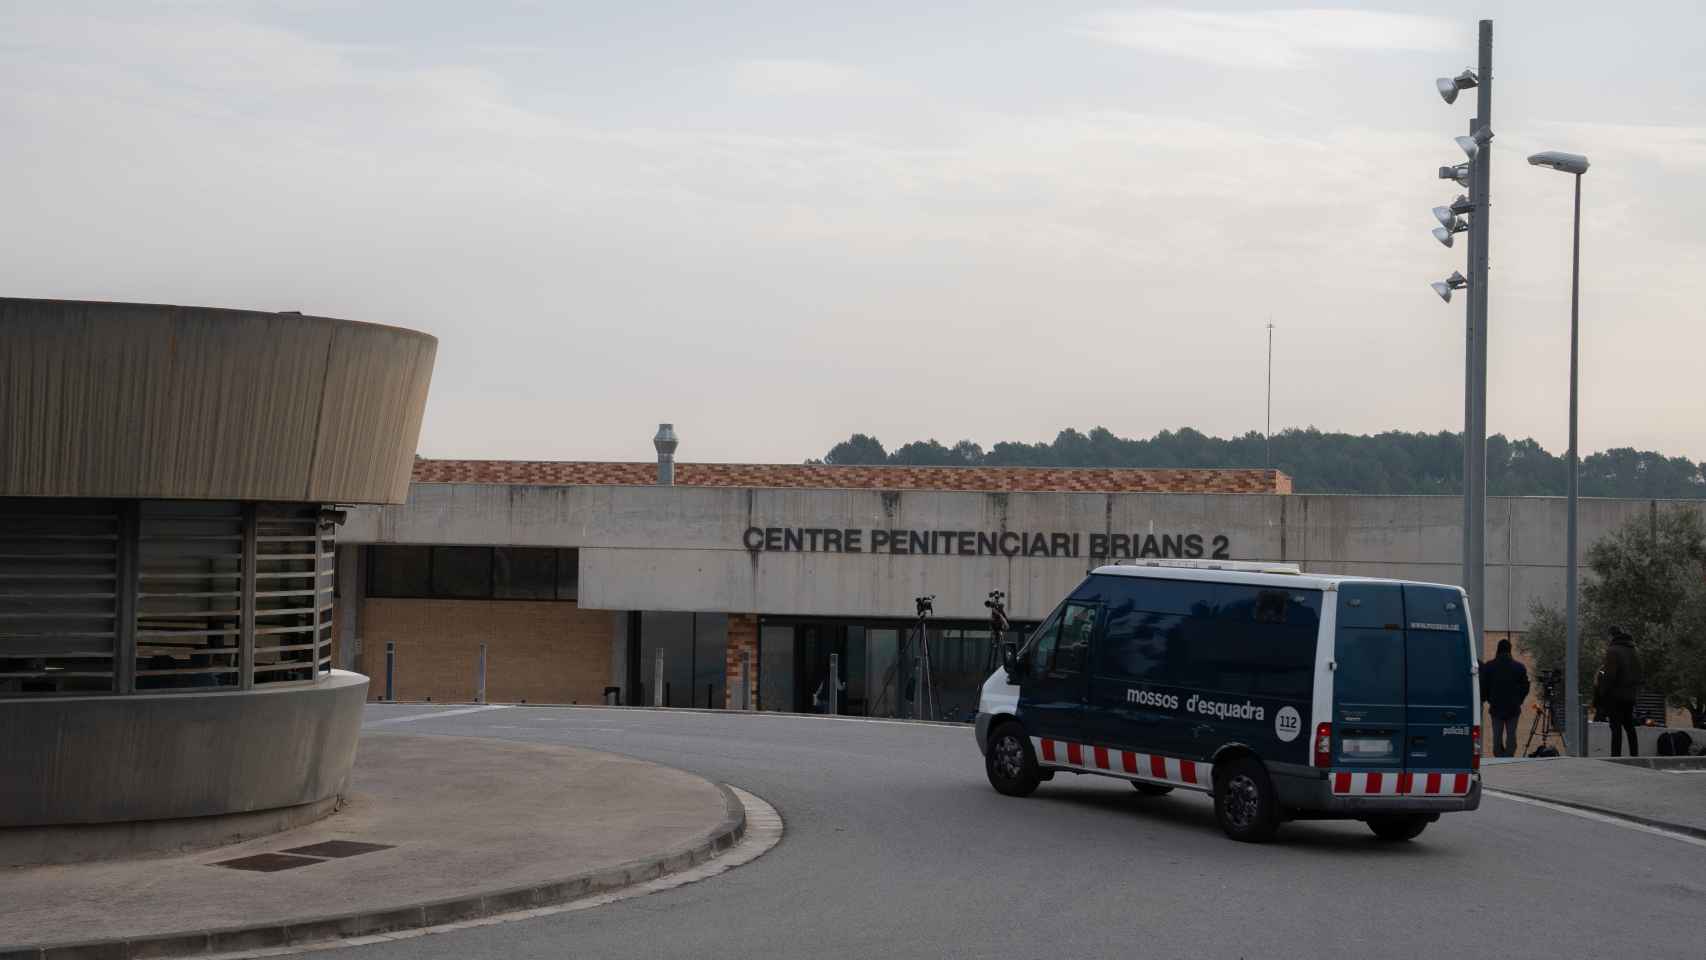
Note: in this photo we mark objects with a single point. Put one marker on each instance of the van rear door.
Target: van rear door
(1369, 720)
(1438, 680)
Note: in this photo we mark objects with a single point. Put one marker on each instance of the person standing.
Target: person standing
(1620, 681)
(1504, 686)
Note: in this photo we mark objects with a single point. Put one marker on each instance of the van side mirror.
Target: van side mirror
(1011, 663)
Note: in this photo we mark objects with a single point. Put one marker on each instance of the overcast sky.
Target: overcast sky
(778, 223)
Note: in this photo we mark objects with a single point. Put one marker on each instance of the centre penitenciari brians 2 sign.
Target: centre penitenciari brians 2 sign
(987, 543)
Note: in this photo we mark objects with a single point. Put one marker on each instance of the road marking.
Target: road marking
(763, 831)
(441, 713)
(1598, 817)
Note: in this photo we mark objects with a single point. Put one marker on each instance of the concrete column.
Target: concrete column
(352, 590)
(619, 641)
(743, 636)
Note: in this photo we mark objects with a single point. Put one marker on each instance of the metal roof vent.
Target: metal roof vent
(666, 443)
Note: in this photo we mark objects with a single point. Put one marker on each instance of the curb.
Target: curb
(1698, 833)
(709, 711)
(725, 835)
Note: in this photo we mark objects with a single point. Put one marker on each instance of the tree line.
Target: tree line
(1394, 462)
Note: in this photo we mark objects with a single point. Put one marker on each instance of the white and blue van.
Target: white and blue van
(1283, 695)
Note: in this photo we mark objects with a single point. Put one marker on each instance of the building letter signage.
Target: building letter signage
(987, 543)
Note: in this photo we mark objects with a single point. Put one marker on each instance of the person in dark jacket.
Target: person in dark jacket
(1620, 681)
(1504, 686)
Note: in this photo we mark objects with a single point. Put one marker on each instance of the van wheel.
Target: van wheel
(1398, 828)
(1244, 801)
(1151, 789)
(1010, 764)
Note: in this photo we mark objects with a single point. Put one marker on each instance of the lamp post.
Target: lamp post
(1574, 735)
(1475, 174)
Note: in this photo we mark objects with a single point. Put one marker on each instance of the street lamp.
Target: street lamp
(1576, 165)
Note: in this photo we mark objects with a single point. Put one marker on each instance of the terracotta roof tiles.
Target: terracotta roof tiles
(828, 476)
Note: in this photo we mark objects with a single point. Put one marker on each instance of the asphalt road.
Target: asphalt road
(896, 846)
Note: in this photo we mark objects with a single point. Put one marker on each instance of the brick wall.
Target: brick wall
(743, 636)
(536, 651)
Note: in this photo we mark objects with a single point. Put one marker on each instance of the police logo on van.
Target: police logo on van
(1287, 724)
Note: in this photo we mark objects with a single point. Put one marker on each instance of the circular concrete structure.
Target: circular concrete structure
(170, 488)
(141, 400)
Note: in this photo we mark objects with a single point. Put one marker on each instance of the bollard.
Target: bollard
(746, 680)
(657, 680)
(834, 682)
(390, 669)
(480, 678)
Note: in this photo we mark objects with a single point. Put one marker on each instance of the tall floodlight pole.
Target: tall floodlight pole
(1476, 176)
(1268, 447)
(1574, 741)
(1481, 168)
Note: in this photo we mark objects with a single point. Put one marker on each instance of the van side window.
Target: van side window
(1270, 606)
(1077, 624)
(1042, 644)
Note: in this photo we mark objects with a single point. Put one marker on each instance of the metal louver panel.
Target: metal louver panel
(189, 601)
(58, 596)
(293, 594)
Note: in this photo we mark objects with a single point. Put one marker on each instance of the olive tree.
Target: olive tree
(1648, 577)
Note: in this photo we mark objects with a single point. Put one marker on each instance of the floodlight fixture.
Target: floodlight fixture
(1444, 287)
(1459, 174)
(1448, 86)
(1558, 160)
(1447, 217)
(1469, 146)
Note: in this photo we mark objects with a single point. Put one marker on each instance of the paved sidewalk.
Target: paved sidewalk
(1660, 798)
(470, 827)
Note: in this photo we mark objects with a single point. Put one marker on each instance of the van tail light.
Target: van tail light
(1324, 744)
(1475, 747)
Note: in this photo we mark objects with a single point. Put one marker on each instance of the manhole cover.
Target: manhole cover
(267, 862)
(338, 848)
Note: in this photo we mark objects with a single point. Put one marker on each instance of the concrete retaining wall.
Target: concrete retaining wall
(71, 760)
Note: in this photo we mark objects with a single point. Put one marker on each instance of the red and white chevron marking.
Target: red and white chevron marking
(1124, 763)
(1400, 784)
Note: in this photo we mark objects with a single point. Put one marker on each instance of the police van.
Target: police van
(1283, 695)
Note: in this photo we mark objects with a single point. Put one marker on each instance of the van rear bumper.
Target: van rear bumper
(1312, 795)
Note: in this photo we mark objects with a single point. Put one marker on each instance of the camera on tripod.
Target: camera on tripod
(926, 605)
(994, 601)
(1550, 681)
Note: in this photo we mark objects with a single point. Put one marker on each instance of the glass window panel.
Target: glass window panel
(882, 672)
(672, 634)
(524, 573)
(776, 668)
(462, 572)
(399, 572)
(710, 648)
(1370, 667)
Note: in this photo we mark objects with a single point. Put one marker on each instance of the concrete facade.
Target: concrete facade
(685, 548)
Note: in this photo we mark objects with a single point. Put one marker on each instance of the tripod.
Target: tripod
(1542, 728)
(926, 699)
